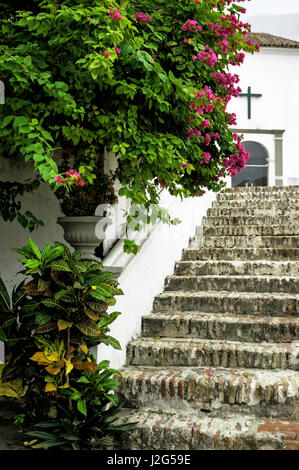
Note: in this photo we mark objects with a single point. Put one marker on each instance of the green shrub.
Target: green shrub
(48, 327)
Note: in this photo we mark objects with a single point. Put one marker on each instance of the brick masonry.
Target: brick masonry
(217, 364)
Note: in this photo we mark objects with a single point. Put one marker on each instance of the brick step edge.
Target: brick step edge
(241, 254)
(244, 303)
(236, 268)
(257, 284)
(183, 352)
(201, 390)
(166, 431)
(221, 326)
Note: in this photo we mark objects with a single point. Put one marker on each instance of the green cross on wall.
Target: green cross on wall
(249, 96)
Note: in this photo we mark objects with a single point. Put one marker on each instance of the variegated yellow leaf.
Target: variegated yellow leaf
(51, 356)
(50, 387)
(80, 365)
(62, 325)
(40, 358)
(64, 386)
(84, 348)
(30, 443)
(68, 367)
(13, 389)
(53, 369)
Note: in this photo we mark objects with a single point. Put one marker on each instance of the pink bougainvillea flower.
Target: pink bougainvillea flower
(205, 123)
(206, 156)
(115, 14)
(58, 179)
(106, 53)
(207, 139)
(117, 50)
(140, 16)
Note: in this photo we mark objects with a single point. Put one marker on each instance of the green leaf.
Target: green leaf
(51, 326)
(7, 120)
(34, 249)
(80, 267)
(76, 396)
(42, 435)
(47, 444)
(122, 427)
(89, 328)
(109, 340)
(4, 297)
(52, 304)
(97, 295)
(103, 365)
(81, 406)
(2, 335)
(107, 321)
(83, 380)
(61, 266)
(42, 318)
(54, 253)
(47, 424)
(32, 263)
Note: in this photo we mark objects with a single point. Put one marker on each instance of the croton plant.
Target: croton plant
(49, 325)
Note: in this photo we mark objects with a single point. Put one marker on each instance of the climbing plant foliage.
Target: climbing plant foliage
(147, 80)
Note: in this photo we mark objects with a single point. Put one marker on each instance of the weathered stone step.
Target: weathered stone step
(230, 302)
(273, 254)
(250, 241)
(237, 268)
(267, 204)
(251, 283)
(250, 195)
(270, 393)
(259, 190)
(252, 211)
(236, 221)
(178, 431)
(221, 326)
(168, 352)
(251, 230)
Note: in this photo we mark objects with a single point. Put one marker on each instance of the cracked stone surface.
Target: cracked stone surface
(217, 364)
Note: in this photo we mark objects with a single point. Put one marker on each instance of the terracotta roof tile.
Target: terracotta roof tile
(269, 40)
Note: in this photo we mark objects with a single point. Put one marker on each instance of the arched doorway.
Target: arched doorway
(256, 171)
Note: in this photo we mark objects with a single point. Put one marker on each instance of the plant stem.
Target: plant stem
(68, 355)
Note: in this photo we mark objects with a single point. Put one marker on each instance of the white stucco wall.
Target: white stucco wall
(273, 72)
(43, 204)
(144, 276)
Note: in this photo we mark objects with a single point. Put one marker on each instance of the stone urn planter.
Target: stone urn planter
(84, 233)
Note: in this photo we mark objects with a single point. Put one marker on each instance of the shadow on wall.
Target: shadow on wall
(43, 204)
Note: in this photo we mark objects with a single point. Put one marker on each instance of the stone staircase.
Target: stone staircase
(217, 366)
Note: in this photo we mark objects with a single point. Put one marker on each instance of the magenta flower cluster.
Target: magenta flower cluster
(192, 26)
(72, 177)
(205, 101)
(228, 81)
(140, 16)
(115, 14)
(208, 56)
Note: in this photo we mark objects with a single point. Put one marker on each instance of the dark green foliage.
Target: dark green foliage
(54, 316)
(63, 92)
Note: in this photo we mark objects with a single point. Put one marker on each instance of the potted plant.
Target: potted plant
(80, 195)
